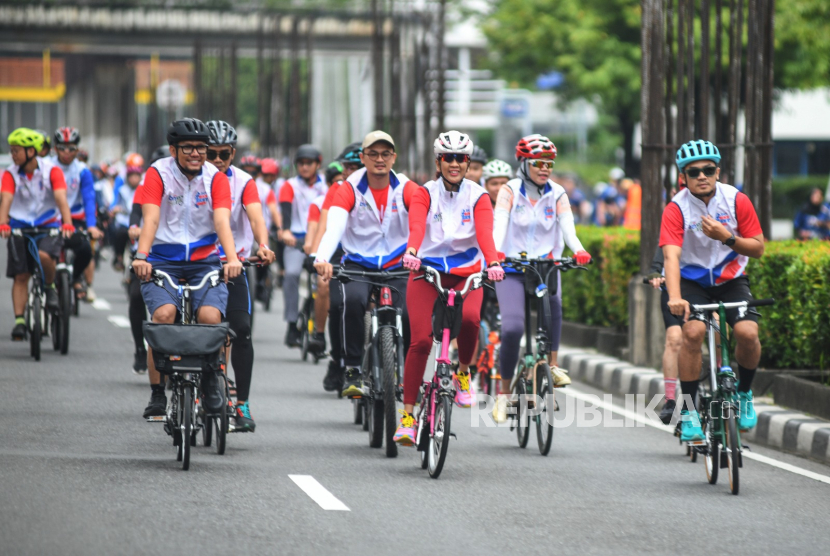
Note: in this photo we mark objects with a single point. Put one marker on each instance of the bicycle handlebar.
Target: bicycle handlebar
(564, 264)
(20, 232)
(473, 281)
(733, 305)
(213, 276)
(342, 272)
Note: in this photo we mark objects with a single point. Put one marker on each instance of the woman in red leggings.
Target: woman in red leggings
(450, 230)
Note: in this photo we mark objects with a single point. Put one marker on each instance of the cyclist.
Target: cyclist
(496, 173)
(267, 184)
(451, 230)
(334, 173)
(532, 216)
(186, 207)
(80, 194)
(317, 341)
(32, 194)
(708, 233)
(247, 224)
(370, 216)
(295, 197)
(477, 162)
(122, 206)
(350, 160)
(46, 149)
(251, 165)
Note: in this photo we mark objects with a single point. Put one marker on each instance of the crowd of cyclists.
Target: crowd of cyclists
(193, 208)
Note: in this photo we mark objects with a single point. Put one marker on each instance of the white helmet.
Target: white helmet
(453, 142)
(497, 169)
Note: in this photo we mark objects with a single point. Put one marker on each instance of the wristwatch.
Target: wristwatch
(731, 241)
(140, 256)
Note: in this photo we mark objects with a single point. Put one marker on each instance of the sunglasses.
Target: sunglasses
(224, 155)
(708, 171)
(449, 158)
(541, 164)
(188, 149)
(67, 149)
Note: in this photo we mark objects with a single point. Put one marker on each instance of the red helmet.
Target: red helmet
(535, 147)
(270, 166)
(249, 160)
(135, 160)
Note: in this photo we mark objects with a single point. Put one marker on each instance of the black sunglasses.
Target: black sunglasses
(708, 171)
(224, 155)
(449, 158)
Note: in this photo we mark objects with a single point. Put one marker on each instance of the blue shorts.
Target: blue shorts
(193, 272)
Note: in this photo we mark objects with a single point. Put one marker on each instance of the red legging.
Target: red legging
(420, 297)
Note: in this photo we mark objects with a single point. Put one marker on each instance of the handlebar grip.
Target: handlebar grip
(761, 302)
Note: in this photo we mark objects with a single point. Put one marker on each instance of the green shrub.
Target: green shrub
(789, 194)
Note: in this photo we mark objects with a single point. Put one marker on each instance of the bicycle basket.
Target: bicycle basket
(447, 317)
(187, 347)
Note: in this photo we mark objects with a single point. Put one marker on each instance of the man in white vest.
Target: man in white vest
(708, 233)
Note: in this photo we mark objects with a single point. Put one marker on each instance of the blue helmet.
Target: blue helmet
(697, 150)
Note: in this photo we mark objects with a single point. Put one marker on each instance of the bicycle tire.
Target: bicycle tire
(54, 326)
(544, 420)
(519, 394)
(186, 411)
(36, 332)
(437, 454)
(420, 432)
(66, 294)
(207, 431)
(302, 326)
(733, 457)
(712, 459)
(374, 403)
(389, 370)
(76, 303)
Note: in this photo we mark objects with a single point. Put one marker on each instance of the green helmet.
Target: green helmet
(25, 137)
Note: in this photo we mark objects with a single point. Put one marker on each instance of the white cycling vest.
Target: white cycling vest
(304, 195)
(186, 231)
(368, 241)
(705, 260)
(243, 235)
(534, 229)
(33, 203)
(264, 188)
(72, 175)
(126, 194)
(450, 243)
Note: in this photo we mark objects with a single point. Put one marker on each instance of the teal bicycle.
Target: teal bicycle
(718, 407)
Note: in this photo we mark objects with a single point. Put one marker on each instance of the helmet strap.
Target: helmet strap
(189, 173)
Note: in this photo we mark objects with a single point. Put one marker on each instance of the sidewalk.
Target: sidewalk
(778, 427)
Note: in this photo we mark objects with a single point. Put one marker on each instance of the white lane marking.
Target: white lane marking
(119, 320)
(594, 400)
(318, 493)
(101, 304)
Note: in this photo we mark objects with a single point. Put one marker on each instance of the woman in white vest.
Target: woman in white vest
(450, 230)
(533, 216)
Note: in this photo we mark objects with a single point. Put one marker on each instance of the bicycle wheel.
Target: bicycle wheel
(66, 295)
(302, 326)
(389, 368)
(544, 420)
(55, 331)
(374, 402)
(36, 326)
(440, 440)
(207, 431)
(186, 411)
(520, 397)
(712, 459)
(422, 444)
(733, 456)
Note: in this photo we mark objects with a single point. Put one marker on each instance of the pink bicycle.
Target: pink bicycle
(437, 395)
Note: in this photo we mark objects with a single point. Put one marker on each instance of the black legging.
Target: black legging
(239, 319)
(138, 313)
(121, 236)
(83, 254)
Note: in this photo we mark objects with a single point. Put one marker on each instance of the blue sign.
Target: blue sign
(550, 80)
(514, 108)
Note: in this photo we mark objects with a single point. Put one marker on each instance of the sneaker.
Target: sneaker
(334, 377)
(52, 298)
(405, 434)
(19, 332)
(317, 343)
(292, 336)
(560, 377)
(90, 295)
(668, 411)
(462, 390)
(499, 412)
(690, 429)
(157, 406)
(140, 362)
(747, 418)
(353, 385)
(242, 415)
(210, 387)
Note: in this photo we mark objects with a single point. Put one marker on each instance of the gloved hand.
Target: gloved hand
(68, 230)
(5, 230)
(411, 262)
(582, 258)
(495, 273)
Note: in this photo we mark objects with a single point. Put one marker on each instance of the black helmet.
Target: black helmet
(221, 133)
(308, 152)
(479, 155)
(187, 129)
(159, 153)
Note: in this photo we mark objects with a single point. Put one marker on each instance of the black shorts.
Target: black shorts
(728, 292)
(21, 261)
(668, 319)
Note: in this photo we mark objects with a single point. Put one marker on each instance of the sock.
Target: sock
(19, 319)
(745, 377)
(671, 388)
(157, 388)
(689, 389)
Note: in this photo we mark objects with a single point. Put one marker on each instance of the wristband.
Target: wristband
(263, 246)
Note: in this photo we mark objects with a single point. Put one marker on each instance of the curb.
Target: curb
(780, 428)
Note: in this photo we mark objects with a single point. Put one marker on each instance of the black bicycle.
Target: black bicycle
(533, 382)
(305, 321)
(382, 357)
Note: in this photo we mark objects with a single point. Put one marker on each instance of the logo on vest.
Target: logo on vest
(465, 216)
(437, 217)
(548, 212)
(201, 198)
(394, 206)
(175, 199)
(723, 217)
(695, 226)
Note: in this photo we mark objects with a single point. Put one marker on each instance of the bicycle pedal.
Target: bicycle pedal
(696, 443)
(452, 435)
(156, 419)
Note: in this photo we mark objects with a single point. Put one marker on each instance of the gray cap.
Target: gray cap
(375, 137)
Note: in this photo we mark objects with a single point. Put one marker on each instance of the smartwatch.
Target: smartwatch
(139, 256)
(731, 241)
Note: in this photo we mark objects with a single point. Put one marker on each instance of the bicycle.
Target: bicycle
(37, 317)
(721, 445)
(382, 357)
(185, 352)
(67, 299)
(435, 410)
(489, 342)
(533, 381)
(305, 322)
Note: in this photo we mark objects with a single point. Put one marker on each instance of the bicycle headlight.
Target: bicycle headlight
(541, 290)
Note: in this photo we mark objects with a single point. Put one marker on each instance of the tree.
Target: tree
(594, 43)
(802, 43)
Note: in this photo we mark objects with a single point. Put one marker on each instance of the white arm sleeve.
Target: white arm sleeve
(501, 218)
(335, 228)
(566, 224)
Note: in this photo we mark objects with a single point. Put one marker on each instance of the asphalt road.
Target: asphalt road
(82, 473)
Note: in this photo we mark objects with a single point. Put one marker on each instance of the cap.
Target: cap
(376, 136)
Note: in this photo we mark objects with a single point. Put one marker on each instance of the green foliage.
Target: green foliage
(789, 194)
(802, 41)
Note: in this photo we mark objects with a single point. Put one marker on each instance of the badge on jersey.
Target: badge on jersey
(465, 216)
